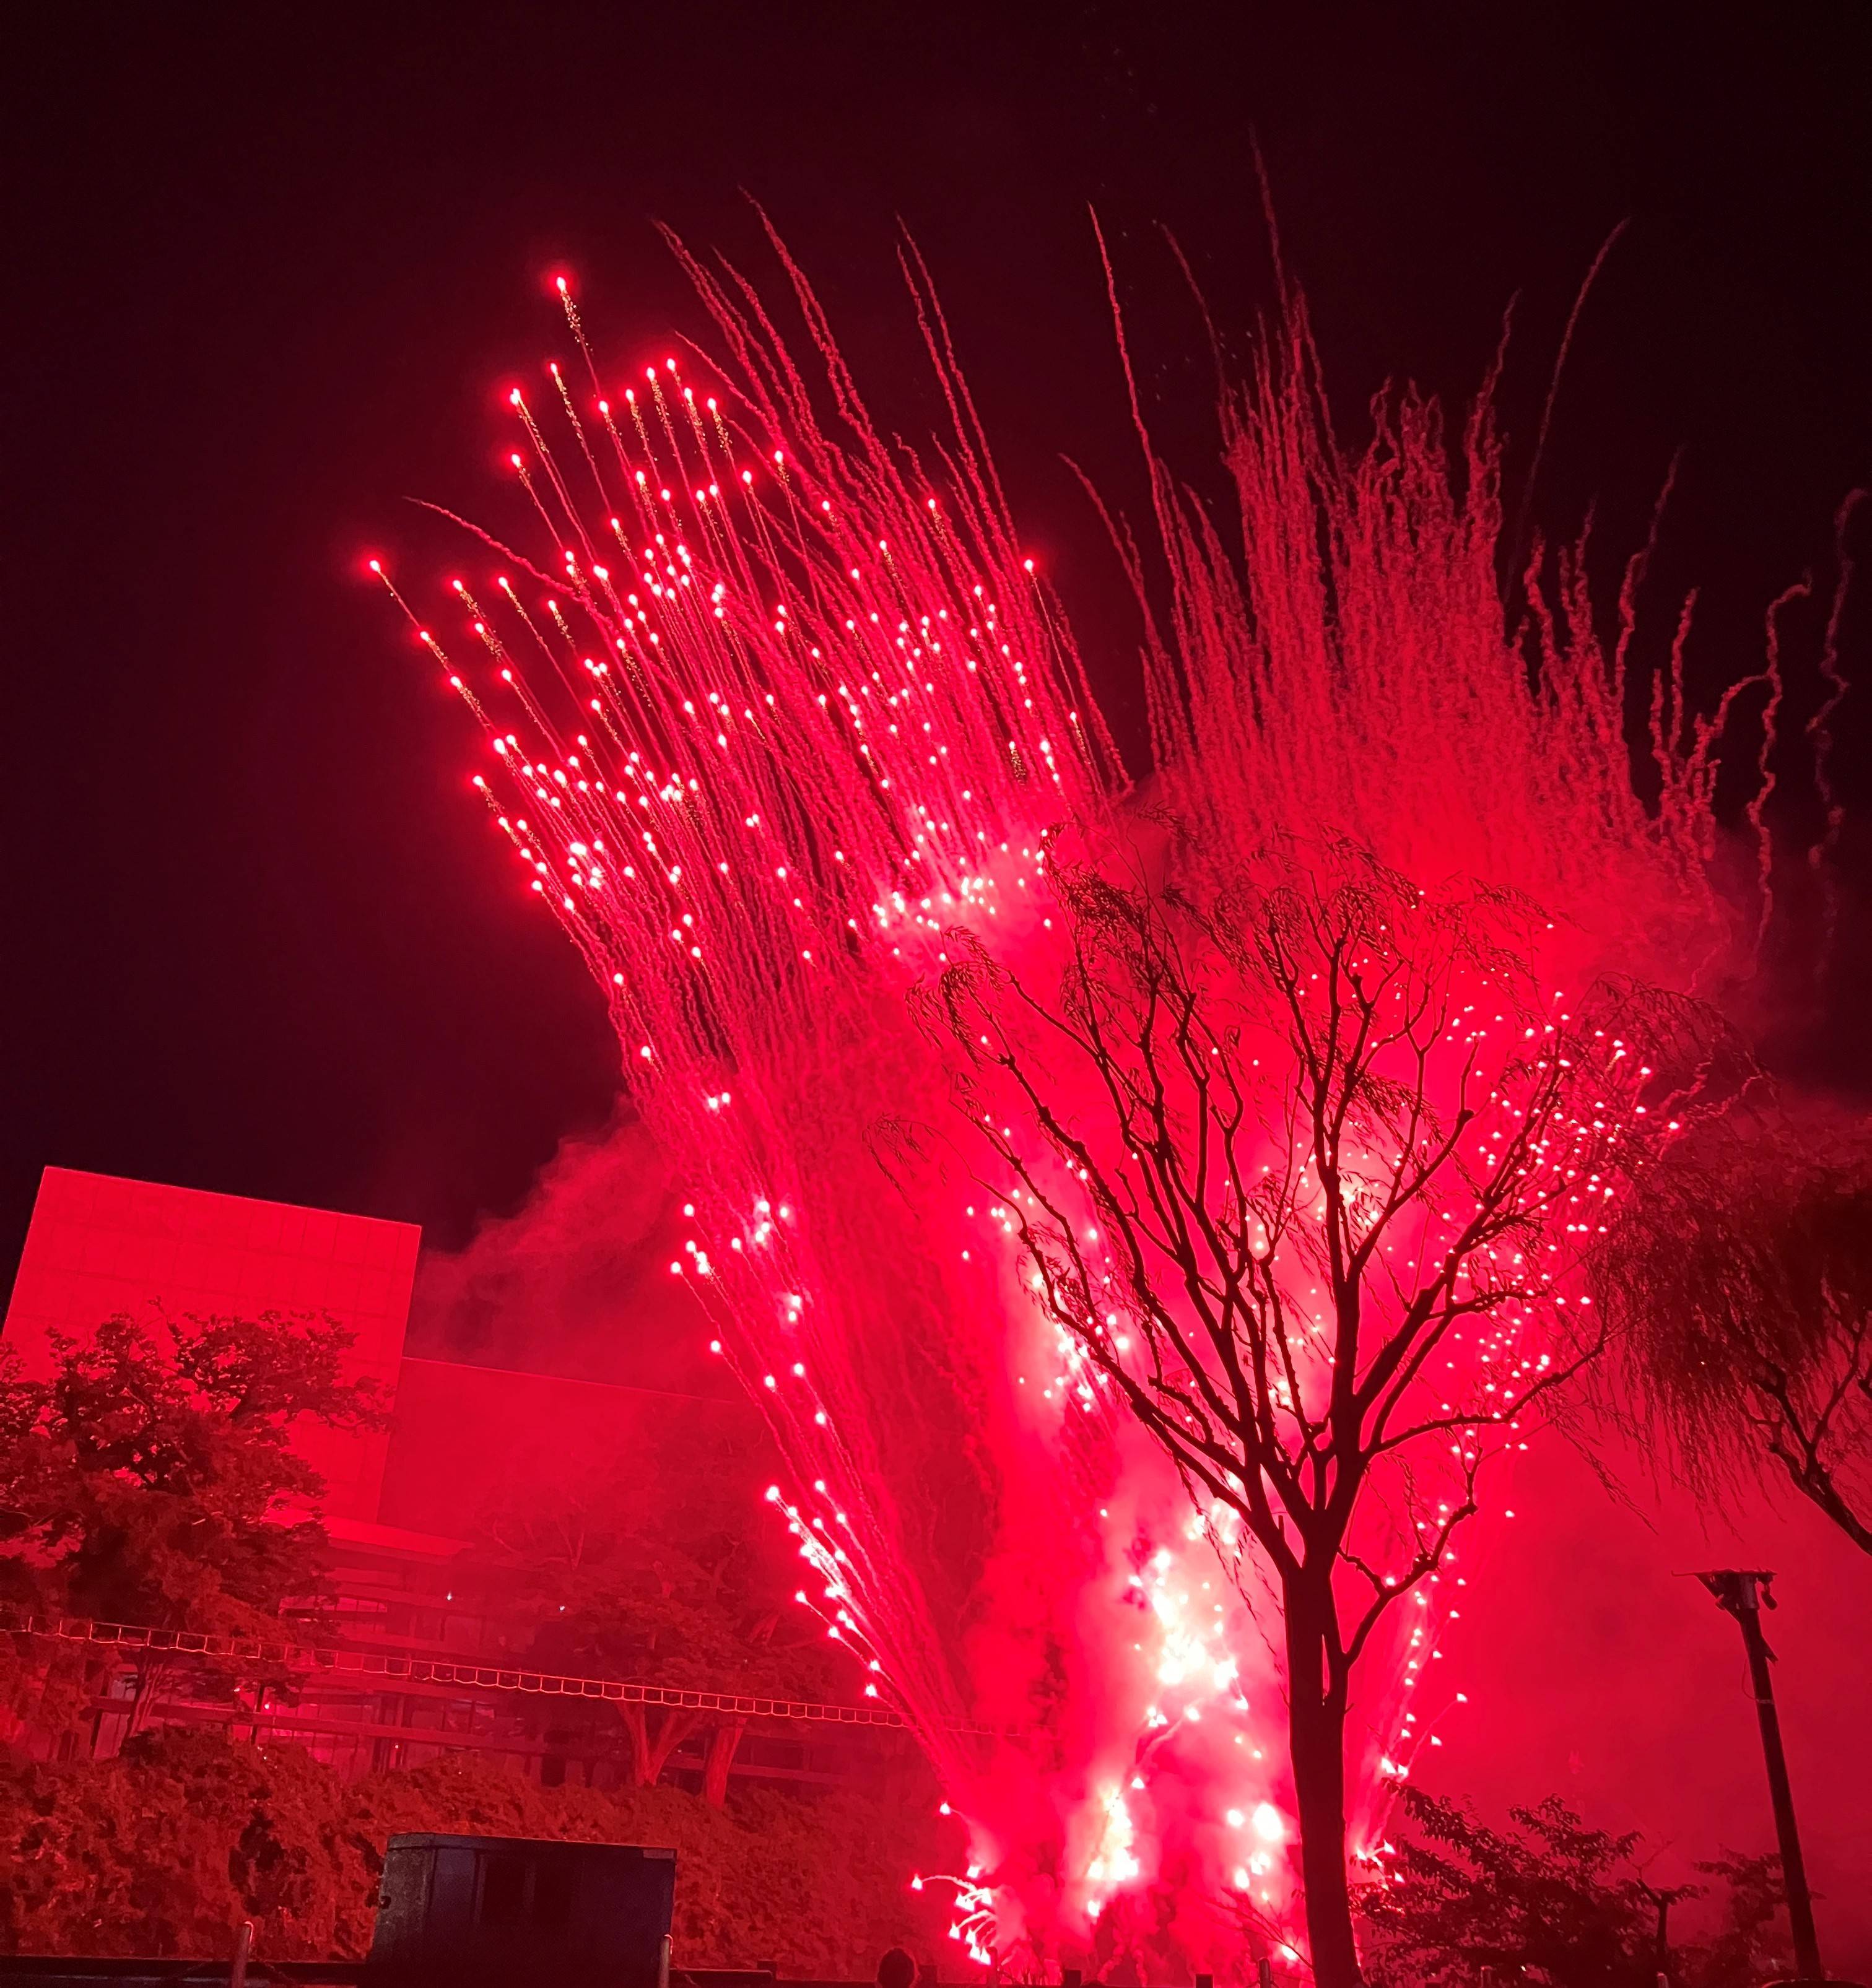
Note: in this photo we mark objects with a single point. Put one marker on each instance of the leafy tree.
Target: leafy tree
(1737, 1284)
(1554, 1902)
(1752, 1943)
(648, 1563)
(1553, 1899)
(151, 1478)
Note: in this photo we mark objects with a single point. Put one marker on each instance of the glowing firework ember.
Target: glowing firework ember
(780, 726)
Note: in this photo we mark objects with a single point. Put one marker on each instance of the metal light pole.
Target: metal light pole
(1744, 1595)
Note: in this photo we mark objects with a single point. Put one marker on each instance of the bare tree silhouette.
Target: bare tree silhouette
(1302, 1160)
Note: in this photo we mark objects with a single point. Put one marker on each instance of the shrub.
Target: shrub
(163, 1850)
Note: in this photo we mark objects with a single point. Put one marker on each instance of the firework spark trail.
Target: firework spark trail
(1512, 1096)
(1336, 659)
(784, 717)
(782, 713)
(1342, 661)
(773, 714)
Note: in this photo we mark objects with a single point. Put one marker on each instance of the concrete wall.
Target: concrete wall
(98, 1245)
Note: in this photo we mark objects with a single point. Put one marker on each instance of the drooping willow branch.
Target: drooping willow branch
(1737, 1283)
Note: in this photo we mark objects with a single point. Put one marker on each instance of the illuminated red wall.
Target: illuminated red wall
(99, 1245)
(464, 1434)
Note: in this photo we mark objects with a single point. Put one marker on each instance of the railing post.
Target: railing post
(243, 1948)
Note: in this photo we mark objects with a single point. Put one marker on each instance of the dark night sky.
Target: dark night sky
(269, 269)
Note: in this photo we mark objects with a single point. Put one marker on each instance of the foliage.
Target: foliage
(1752, 1943)
(156, 1483)
(1553, 1897)
(165, 1849)
(821, 1885)
(1738, 1283)
(1551, 1900)
(640, 1563)
(151, 1478)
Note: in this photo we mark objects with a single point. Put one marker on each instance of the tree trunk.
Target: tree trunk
(1316, 1734)
(650, 1752)
(724, 1744)
(150, 1678)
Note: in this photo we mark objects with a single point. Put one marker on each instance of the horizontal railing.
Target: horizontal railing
(317, 1660)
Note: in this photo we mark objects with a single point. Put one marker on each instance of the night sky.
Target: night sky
(269, 272)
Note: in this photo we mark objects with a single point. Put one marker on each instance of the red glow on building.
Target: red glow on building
(99, 1245)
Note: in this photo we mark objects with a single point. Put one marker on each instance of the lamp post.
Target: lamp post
(1744, 1595)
